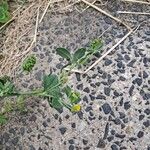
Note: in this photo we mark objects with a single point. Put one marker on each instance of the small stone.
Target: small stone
(80, 114)
(101, 143)
(108, 62)
(110, 138)
(146, 123)
(11, 130)
(138, 81)
(121, 136)
(114, 147)
(85, 141)
(15, 140)
(141, 117)
(121, 78)
(88, 108)
(78, 77)
(33, 118)
(87, 90)
(145, 75)
(140, 134)
(32, 147)
(131, 90)
(106, 108)
(147, 111)
(73, 125)
(122, 115)
(117, 121)
(71, 147)
(22, 130)
(45, 124)
(48, 120)
(62, 130)
(131, 63)
(107, 91)
(71, 141)
(6, 137)
(100, 97)
(127, 105)
(38, 75)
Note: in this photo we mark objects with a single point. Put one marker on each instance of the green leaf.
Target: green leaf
(3, 119)
(56, 103)
(79, 54)
(4, 14)
(74, 97)
(64, 53)
(50, 81)
(6, 89)
(67, 91)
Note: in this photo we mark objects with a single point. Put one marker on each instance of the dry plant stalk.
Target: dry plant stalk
(136, 1)
(133, 13)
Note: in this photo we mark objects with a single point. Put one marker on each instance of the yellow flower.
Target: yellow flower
(76, 108)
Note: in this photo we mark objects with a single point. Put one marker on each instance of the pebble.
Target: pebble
(114, 147)
(101, 143)
(62, 130)
(106, 108)
(140, 134)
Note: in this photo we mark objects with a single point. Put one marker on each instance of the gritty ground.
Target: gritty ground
(115, 94)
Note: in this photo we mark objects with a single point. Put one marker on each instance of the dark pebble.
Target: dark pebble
(138, 81)
(131, 63)
(121, 115)
(80, 114)
(114, 147)
(106, 131)
(121, 78)
(62, 130)
(145, 75)
(110, 138)
(32, 147)
(127, 105)
(116, 94)
(11, 130)
(141, 117)
(101, 143)
(107, 91)
(33, 118)
(71, 147)
(6, 137)
(100, 97)
(106, 108)
(117, 121)
(132, 139)
(140, 134)
(85, 141)
(78, 77)
(131, 90)
(22, 130)
(146, 123)
(113, 132)
(38, 75)
(15, 141)
(87, 90)
(147, 111)
(88, 108)
(121, 136)
(73, 125)
(71, 141)
(108, 62)
(45, 124)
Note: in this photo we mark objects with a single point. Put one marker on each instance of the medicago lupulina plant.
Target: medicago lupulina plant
(55, 87)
